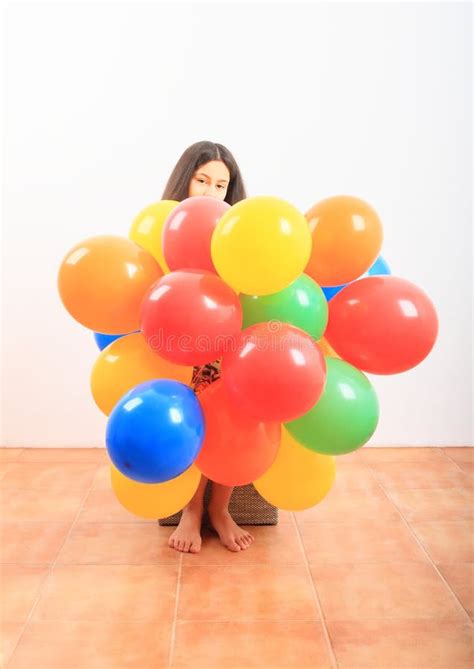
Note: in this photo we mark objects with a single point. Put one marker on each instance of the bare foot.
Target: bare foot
(232, 536)
(187, 536)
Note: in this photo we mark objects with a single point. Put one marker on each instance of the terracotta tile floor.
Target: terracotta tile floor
(380, 574)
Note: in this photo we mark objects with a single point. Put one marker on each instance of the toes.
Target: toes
(244, 539)
(184, 545)
(233, 546)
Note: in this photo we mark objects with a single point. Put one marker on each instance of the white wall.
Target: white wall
(314, 100)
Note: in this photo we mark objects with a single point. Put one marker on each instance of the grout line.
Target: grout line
(175, 616)
(218, 565)
(332, 655)
(425, 551)
(456, 463)
(47, 577)
(249, 620)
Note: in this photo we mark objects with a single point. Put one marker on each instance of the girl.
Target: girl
(208, 169)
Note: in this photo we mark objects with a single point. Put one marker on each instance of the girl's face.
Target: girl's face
(210, 179)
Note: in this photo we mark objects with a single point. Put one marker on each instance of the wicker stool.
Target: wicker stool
(246, 507)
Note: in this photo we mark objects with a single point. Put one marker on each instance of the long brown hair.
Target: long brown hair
(177, 187)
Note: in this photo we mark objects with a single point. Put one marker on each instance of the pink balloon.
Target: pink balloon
(188, 230)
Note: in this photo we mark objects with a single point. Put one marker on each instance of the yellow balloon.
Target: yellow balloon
(155, 500)
(147, 227)
(124, 364)
(261, 245)
(327, 349)
(298, 478)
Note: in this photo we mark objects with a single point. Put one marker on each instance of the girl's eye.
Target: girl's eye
(201, 181)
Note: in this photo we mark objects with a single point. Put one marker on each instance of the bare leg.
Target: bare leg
(232, 536)
(187, 536)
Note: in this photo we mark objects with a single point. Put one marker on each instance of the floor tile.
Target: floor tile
(258, 645)
(109, 592)
(245, 593)
(352, 477)
(10, 633)
(88, 645)
(461, 579)
(110, 599)
(69, 455)
(393, 590)
(285, 516)
(356, 457)
(460, 454)
(402, 644)
(102, 506)
(51, 476)
(364, 541)
(411, 475)
(118, 543)
(31, 542)
(273, 544)
(433, 503)
(4, 467)
(447, 541)
(353, 506)
(47, 505)
(467, 467)
(20, 586)
(10, 454)
(464, 459)
(403, 454)
(102, 478)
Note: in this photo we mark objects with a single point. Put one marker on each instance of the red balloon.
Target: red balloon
(191, 317)
(237, 448)
(277, 372)
(382, 324)
(187, 233)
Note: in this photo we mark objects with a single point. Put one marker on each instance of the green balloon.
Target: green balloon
(301, 304)
(344, 418)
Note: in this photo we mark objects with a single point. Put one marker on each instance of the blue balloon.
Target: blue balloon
(103, 340)
(155, 431)
(379, 268)
(330, 291)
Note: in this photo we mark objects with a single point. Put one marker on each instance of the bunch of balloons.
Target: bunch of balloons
(297, 307)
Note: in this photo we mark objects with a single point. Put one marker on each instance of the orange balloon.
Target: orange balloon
(237, 448)
(347, 238)
(124, 364)
(102, 281)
